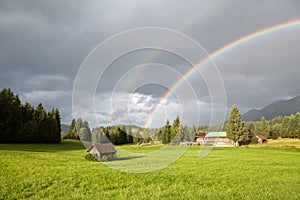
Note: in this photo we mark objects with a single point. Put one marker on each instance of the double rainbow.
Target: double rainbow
(219, 52)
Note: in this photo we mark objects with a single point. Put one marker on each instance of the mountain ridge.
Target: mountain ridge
(65, 128)
(277, 108)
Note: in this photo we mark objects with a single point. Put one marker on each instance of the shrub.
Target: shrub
(90, 157)
(254, 140)
(104, 158)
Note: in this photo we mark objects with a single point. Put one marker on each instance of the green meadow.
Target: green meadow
(60, 171)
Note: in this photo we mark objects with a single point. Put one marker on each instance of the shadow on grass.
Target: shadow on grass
(127, 158)
(65, 145)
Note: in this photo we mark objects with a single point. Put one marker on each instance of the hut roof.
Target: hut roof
(103, 148)
(261, 137)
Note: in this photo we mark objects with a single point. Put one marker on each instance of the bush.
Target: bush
(254, 140)
(104, 158)
(90, 157)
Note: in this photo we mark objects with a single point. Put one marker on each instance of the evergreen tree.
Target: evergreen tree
(235, 127)
(297, 116)
(184, 133)
(293, 127)
(83, 130)
(129, 135)
(175, 128)
(55, 131)
(72, 133)
(122, 136)
(10, 116)
(264, 127)
(284, 127)
(57, 119)
(159, 135)
(166, 130)
(40, 116)
(23, 123)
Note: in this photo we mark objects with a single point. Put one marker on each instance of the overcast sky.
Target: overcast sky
(44, 43)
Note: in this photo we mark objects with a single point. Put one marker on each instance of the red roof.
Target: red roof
(261, 137)
(201, 134)
(103, 148)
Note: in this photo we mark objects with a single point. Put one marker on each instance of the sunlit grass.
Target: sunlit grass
(280, 143)
(60, 171)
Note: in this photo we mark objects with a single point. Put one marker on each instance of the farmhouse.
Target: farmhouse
(261, 139)
(200, 137)
(102, 149)
(217, 138)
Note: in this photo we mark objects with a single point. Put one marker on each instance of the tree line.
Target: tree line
(132, 134)
(22, 123)
(79, 130)
(279, 127)
(176, 133)
(241, 132)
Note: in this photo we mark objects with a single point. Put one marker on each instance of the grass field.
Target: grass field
(60, 171)
(280, 143)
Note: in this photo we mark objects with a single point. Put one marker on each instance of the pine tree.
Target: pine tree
(57, 133)
(235, 127)
(83, 130)
(166, 130)
(23, 123)
(72, 134)
(40, 116)
(10, 116)
(175, 128)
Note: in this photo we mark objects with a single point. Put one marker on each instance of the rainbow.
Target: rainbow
(197, 17)
(219, 52)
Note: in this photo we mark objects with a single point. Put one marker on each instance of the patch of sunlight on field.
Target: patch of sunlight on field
(133, 162)
(280, 143)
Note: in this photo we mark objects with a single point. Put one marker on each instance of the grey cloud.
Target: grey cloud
(43, 44)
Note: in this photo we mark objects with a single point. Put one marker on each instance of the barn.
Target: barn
(200, 137)
(218, 139)
(102, 149)
(261, 139)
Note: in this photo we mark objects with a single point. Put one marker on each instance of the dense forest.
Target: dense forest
(22, 123)
(278, 127)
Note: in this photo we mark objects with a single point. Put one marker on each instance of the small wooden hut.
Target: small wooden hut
(102, 149)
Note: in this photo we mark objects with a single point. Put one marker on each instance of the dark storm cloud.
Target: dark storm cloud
(43, 43)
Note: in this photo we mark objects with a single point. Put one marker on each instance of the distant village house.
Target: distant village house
(218, 139)
(200, 137)
(261, 139)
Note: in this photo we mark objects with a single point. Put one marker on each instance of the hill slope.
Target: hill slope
(65, 128)
(278, 108)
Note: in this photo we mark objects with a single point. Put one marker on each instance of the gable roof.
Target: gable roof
(103, 148)
(216, 134)
(201, 134)
(261, 137)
